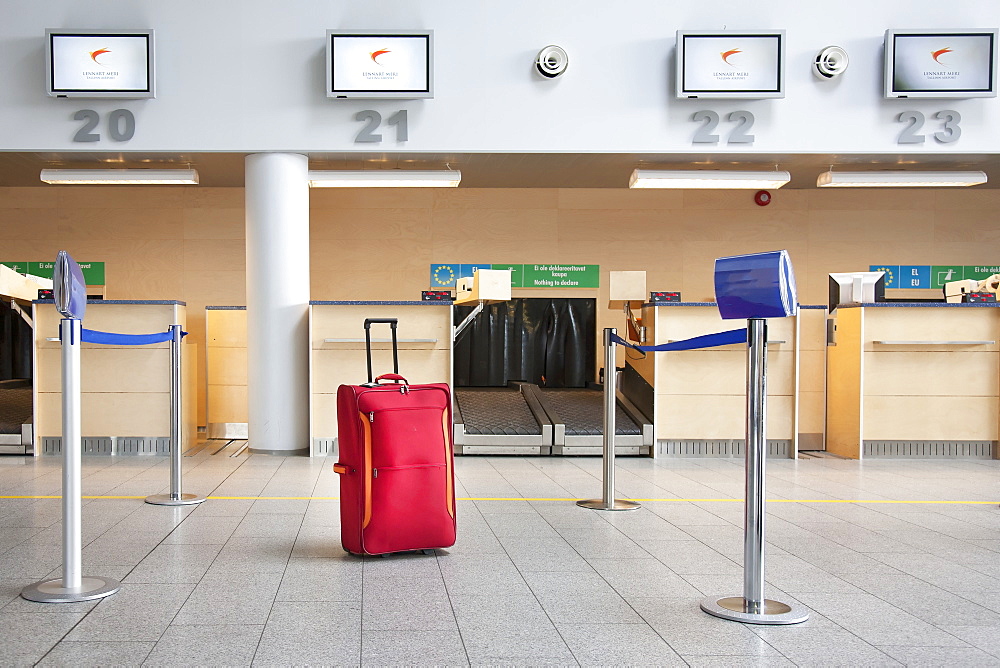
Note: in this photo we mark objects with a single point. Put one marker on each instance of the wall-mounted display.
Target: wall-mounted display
(99, 63)
(364, 64)
(738, 64)
(940, 63)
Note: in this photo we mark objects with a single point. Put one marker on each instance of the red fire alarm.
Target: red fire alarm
(762, 198)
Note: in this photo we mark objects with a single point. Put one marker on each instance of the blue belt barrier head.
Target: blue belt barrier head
(68, 287)
(758, 285)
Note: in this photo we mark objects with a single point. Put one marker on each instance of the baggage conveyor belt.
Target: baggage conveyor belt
(500, 420)
(578, 418)
(525, 419)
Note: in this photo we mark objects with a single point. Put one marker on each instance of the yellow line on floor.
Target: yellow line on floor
(519, 498)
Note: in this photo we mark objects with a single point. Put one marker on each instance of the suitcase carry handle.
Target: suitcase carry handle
(392, 322)
(394, 377)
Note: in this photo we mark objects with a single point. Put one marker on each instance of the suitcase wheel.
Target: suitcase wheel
(427, 551)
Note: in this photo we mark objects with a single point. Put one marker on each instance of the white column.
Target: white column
(277, 211)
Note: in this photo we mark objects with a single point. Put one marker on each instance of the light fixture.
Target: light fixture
(899, 179)
(707, 178)
(385, 178)
(121, 176)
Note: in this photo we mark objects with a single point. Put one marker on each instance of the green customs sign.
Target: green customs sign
(444, 274)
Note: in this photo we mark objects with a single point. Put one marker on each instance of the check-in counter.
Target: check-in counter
(226, 374)
(914, 380)
(125, 390)
(698, 397)
(337, 353)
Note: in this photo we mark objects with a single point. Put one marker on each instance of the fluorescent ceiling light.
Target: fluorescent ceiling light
(706, 178)
(899, 179)
(386, 178)
(121, 176)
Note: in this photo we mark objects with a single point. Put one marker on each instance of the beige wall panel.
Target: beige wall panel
(812, 371)
(932, 324)
(866, 199)
(614, 198)
(120, 197)
(215, 224)
(931, 418)
(87, 223)
(812, 412)
(923, 373)
(227, 403)
(479, 199)
(812, 330)
(495, 225)
(374, 284)
(362, 198)
(331, 369)
(416, 321)
(744, 225)
(639, 228)
(226, 329)
(28, 225)
(128, 284)
(214, 198)
(844, 386)
(507, 250)
(717, 417)
(324, 415)
(871, 225)
(209, 253)
(351, 255)
(28, 198)
(214, 288)
(108, 414)
(227, 366)
(368, 224)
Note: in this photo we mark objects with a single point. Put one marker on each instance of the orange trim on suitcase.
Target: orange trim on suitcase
(340, 468)
(446, 424)
(366, 429)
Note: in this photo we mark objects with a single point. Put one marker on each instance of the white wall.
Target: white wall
(248, 76)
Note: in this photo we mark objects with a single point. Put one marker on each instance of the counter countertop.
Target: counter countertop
(119, 301)
(381, 303)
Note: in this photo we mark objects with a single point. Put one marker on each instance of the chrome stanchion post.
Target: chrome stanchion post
(752, 607)
(609, 502)
(73, 586)
(176, 497)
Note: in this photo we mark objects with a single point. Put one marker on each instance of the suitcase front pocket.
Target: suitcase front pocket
(410, 509)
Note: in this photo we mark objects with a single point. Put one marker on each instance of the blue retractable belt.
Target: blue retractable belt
(705, 341)
(112, 339)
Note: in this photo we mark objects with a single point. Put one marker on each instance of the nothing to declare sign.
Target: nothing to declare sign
(561, 276)
(444, 275)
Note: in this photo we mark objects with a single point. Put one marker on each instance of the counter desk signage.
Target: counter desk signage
(940, 63)
(100, 63)
(371, 64)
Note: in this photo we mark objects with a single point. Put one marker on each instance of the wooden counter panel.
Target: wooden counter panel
(921, 373)
(931, 324)
(108, 414)
(717, 417)
(844, 386)
(332, 368)
(348, 322)
(721, 371)
(931, 418)
(227, 366)
(227, 403)
(102, 369)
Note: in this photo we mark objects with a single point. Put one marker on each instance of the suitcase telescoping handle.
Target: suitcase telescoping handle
(392, 322)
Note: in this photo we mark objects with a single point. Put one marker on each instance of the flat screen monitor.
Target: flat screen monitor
(380, 64)
(859, 287)
(941, 63)
(739, 64)
(100, 63)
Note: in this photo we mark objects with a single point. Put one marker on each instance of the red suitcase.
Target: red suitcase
(396, 464)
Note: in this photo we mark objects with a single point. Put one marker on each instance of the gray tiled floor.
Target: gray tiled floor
(533, 579)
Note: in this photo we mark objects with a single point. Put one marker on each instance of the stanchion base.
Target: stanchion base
(598, 504)
(52, 591)
(774, 612)
(171, 500)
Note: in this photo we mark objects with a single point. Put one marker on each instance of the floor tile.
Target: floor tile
(138, 612)
(413, 648)
(206, 645)
(617, 644)
(311, 634)
(97, 653)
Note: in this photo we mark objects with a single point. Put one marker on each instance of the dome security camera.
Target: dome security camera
(830, 62)
(551, 61)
